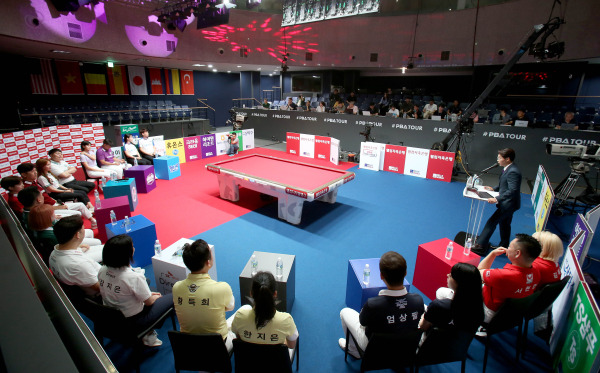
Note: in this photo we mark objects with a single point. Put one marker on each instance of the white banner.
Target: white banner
(248, 139)
(307, 145)
(416, 162)
(159, 145)
(370, 155)
(334, 153)
(222, 142)
(592, 217)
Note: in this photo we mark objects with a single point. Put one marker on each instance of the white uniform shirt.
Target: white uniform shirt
(146, 145)
(73, 267)
(58, 168)
(124, 289)
(131, 149)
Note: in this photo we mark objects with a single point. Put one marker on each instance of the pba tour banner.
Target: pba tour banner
(311, 146)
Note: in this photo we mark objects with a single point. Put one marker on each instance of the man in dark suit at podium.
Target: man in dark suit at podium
(507, 202)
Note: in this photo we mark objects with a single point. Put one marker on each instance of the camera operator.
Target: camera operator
(233, 144)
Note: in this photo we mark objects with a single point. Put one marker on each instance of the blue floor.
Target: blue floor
(377, 212)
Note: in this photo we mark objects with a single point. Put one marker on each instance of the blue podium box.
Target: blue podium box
(358, 292)
(143, 234)
(167, 167)
(120, 188)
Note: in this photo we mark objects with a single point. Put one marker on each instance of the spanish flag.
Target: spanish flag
(117, 79)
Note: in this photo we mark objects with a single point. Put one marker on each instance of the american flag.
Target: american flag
(42, 78)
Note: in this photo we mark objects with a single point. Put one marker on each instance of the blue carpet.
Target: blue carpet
(377, 212)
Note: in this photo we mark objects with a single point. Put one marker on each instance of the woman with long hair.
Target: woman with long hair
(126, 289)
(547, 262)
(262, 323)
(41, 221)
(55, 189)
(463, 309)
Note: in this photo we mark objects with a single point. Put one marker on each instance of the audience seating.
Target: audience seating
(264, 358)
(199, 352)
(110, 323)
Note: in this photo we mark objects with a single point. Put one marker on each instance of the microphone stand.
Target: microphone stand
(485, 171)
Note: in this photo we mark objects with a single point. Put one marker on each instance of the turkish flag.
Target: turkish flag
(69, 77)
(187, 82)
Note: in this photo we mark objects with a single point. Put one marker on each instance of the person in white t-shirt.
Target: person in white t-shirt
(146, 146)
(132, 154)
(429, 110)
(127, 290)
(88, 161)
(393, 111)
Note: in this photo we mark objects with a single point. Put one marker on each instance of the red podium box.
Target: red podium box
(120, 205)
(432, 266)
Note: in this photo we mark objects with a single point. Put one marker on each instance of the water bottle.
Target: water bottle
(135, 162)
(254, 264)
(103, 182)
(113, 218)
(279, 269)
(366, 274)
(128, 226)
(97, 197)
(468, 246)
(449, 249)
(470, 182)
(157, 248)
(114, 176)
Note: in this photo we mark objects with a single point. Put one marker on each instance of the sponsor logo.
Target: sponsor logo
(174, 168)
(306, 154)
(175, 151)
(134, 194)
(150, 179)
(290, 137)
(323, 141)
(193, 157)
(321, 156)
(281, 116)
(292, 151)
(393, 168)
(443, 130)
(501, 135)
(213, 169)
(209, 154)
(368, 165)
(128, 129)
(415, 172)
(349, 178)
(438, 176)
(313, 119)
(296, 193)
(560, 140)
(407, 127)
(262, 115)
(321, 192)
(369, 123)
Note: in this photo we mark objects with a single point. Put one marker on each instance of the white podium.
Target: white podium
(478, 204)
(169, 268)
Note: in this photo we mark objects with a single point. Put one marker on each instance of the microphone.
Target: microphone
(489, 168)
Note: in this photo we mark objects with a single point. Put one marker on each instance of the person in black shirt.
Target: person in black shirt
(352, 98)
(372, 109)
(335, 96)
(455, 108)
(393, 311)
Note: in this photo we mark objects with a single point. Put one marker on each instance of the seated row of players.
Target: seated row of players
(473, 296)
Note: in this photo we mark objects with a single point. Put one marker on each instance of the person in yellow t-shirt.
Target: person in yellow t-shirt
(201, 302)
(263, 324)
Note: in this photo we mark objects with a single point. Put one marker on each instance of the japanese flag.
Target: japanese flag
(137, 80)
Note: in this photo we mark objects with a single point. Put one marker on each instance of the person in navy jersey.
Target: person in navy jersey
(507, 202)
(395, 310)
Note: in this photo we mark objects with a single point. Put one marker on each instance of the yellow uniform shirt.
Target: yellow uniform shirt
(200, 304)
(276, 331)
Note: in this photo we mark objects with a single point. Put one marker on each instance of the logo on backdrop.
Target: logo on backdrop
(501, 135)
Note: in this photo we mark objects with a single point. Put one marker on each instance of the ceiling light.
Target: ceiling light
(110, 64)
(239, 65)
(214, 70)
(197, 64)
(229, 71)
(210, 66)
(270, 74)
(59, 51)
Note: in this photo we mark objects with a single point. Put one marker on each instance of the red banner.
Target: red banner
(69, 77)
(117, 80)
(322, 147)
(395, 158)
(156, 85)
(440, 165)
(292, 143)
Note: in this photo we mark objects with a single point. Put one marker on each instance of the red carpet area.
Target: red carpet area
(190, 204)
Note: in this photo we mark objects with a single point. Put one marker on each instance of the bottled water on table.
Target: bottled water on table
(97, 197)
(103, 182)
(279, 269)
(157, 248)
(449, 249)
(254, 264)
(127, 224)
(135, 162)
(113, 218)
(468, 246)
(366, 274)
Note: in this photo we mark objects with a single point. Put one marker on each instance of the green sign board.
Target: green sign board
(580, 349)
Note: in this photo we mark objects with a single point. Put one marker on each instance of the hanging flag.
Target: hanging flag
(187, 82)
(95, 78)
(117, 80)
(137, 80)
(156, 86)
(69, 77)
(42, 77)
(172, 81)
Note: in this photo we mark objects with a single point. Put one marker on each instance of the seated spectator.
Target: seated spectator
(335, 96)
(520, 117)
(351, 98)
(201, 302)
(518, 279)
(126, 289)
(146, 146)
(455, 108)
(407, 105)
(463, 309)
(13, 185)
(384, 104)
(393, 111)
(307, 106)
(393, 311)
(321, 108)
(547, 263)
(106, 160)
(373, 109)
(415, 113)
(58, 191)
(301, 101)
(233, 144)
(441, 111)
(502, 119)
(262, 323)
(68, 262)
(131, 152)
(290, 105)
(63, 172)
(88, 161)
(429, 110)
(351, 109)
(569, 123)
(41, 220)
(339, 107)
(29, 176)
(266, 104)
